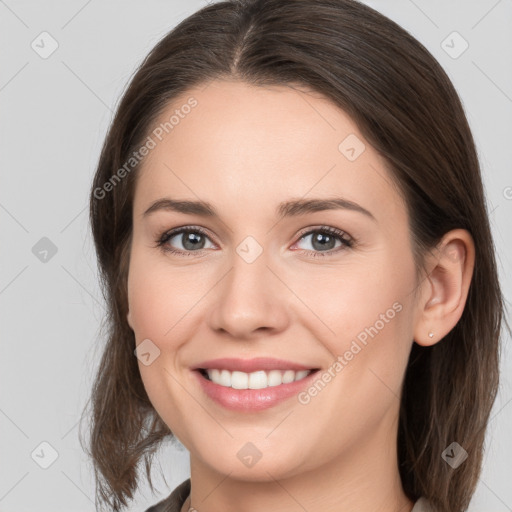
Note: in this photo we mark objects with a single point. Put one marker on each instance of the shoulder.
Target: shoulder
(423, 505)
(174, 501)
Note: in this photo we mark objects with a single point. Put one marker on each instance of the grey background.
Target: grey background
(54, 115)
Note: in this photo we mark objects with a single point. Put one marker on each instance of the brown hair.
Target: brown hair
(406, 107)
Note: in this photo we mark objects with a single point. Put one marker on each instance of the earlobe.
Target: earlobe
(445, 288)
(129, 320)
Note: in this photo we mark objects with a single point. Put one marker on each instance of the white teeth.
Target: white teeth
(258, 380)
(225, 378)
(239, 380)
(274, 378)
(289, 376)
(301, 374)
(255, 380)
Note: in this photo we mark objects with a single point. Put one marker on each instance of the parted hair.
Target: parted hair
(407, 108)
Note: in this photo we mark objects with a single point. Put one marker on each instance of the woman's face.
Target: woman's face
(263, 279)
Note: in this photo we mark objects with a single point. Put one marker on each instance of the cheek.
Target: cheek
(346, 301)
(158, 297)
(149, 306)
(158, 304)
(164, 305)
(364, 314)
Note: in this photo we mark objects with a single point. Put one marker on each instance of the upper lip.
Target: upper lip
(250, 365)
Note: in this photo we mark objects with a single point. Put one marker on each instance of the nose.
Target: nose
(250, 301)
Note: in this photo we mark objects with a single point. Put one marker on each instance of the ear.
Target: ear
(445, 288)
(129, 319)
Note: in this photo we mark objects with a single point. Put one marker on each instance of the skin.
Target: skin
(244, 149)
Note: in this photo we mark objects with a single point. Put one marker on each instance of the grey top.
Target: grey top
(175, 500)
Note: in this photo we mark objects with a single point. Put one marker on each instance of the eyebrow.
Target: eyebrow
(290, 208)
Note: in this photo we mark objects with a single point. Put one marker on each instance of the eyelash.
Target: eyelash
(346, 240)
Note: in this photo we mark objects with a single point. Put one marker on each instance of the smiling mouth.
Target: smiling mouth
(255, 380)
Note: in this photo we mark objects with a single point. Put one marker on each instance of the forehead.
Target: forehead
(243, 146)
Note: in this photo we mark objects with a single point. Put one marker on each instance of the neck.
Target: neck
(363, 478)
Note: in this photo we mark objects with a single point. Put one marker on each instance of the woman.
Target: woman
(292, 235)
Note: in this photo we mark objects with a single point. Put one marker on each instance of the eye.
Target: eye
(191, 238)
(323, 241)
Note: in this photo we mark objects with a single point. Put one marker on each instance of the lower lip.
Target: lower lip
(251, 400)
